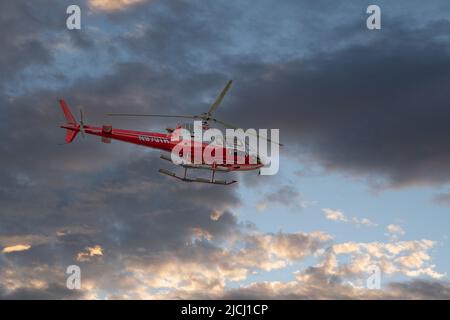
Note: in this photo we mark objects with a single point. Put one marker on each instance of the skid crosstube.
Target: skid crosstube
(201, 180)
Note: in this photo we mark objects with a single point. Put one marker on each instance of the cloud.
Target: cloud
(442, 198)
(363, 222)
(112, 5)
(287, 247)
(331, 278)
(204, 262)
(89, 253)
(51, 292)
(285, 195)
(202, 267)
(334, 215)
(106, 204)
(416, 290)
(420, 289)
(22, 43)
(395, 231)
(29, 239)
(392, 129)
(262, 205)
(405, 257)
(16, 248)
(337, 215)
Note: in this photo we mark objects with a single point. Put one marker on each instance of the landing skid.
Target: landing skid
(202, 180)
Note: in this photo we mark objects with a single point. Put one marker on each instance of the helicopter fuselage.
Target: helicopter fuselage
(162, 141)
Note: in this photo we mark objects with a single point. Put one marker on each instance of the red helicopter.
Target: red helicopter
(243, 161)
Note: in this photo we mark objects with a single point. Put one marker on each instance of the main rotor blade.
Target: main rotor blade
(150, 115)
(226, 125)
(82, 123)
(219, 99)
(230, 126)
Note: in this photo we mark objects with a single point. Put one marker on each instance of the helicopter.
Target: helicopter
(242, 160)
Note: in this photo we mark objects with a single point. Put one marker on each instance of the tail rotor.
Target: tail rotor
(71, 126)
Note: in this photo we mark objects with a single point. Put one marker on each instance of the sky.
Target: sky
(364, 174)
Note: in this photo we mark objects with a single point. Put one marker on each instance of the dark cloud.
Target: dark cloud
(421, 289)
(377, 109)
(134, 213)
(52, 292)
(180, 35)
(284, 195)
(28, 31)
(19, 44)
(414, 290)
(64, 199)
(336, 106)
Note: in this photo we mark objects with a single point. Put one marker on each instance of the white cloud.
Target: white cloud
(363, 222)
(334, 215)
(395, 231)
(338, 215)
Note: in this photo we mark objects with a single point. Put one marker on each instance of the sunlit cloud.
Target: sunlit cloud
(215, 215)
(16, 248)
(334, 215)
(408, 258)
(337, 215)
(163, 239)
(89, 253)
(112, 5)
